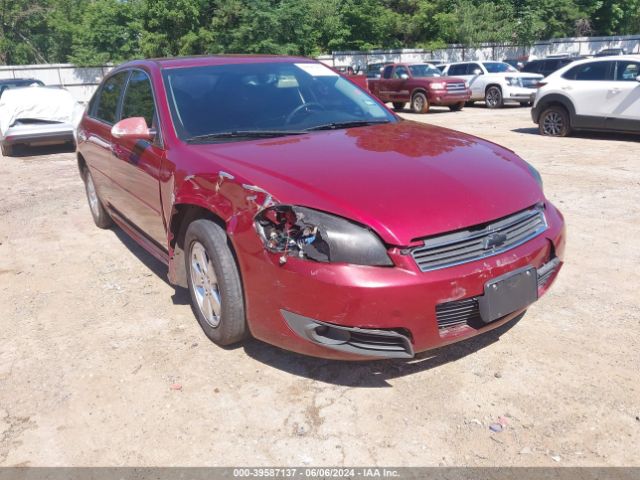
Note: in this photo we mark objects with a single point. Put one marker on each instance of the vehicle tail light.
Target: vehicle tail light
(540, 84)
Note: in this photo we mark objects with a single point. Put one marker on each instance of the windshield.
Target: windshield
(265, 97)
(424, 70)
(498, 67)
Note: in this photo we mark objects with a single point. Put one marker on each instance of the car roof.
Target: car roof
(211, 60)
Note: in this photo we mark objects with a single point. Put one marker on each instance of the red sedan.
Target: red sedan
(297, 208)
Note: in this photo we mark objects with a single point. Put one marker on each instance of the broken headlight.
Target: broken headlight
(310, 234)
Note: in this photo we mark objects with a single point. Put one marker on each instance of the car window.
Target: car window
(280, 96)
(593, 71)
(387, 71)
(472, 67)
(399, 71)
(424, 70)
(457, 69)
(627, 71)
(532, 67)
(498, 67)
(138, 98)
(107, 102)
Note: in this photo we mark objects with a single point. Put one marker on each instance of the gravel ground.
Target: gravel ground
(102, 362)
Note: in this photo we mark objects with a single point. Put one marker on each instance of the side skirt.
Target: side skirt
(139, 236)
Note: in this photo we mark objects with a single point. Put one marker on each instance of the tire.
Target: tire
(493, 97)
(554, 122)
(457, 107)
(100, 216)
(398, 105)
(419, 103)
(7, 150)
(214, 283)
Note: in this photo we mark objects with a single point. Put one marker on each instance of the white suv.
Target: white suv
(595, 94)
(495, 82)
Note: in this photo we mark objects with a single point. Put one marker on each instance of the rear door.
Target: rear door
(96, 147)
(136, 164)
(623, 99)
(588, 86)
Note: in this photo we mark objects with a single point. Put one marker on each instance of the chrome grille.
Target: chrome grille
(482, 241)
(456, 87)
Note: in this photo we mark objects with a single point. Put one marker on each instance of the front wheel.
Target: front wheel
(457, 107)
(419, 103)
(214, 283)
(554, 122)
(493, 97)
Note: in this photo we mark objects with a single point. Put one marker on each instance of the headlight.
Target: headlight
(437, 86)
(310, 234)
(513, 81)
(535, 174)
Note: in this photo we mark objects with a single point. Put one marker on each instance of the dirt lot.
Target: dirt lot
(92, 339)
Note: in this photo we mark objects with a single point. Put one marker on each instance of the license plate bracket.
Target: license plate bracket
(508, 293)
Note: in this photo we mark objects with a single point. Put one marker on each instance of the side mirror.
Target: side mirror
(477, 72)
(134, 128)
(404, 76)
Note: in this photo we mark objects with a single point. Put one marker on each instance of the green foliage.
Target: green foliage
(90, 32)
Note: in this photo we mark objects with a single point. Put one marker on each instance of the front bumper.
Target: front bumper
(445, 98)
(38, 135)
(393, 307)
(519, 94)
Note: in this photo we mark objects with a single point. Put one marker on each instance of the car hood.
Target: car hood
(404, 180)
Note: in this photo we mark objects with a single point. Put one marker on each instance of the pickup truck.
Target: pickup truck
(420, 84)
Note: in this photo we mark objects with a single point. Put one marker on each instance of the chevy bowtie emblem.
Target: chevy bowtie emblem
(494, 240)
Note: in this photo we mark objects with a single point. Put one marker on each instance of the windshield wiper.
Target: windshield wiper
(353, 123)
(244, 134)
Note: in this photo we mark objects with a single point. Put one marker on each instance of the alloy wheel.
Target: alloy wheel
(205, 285)
(553, 124)
(94, 202)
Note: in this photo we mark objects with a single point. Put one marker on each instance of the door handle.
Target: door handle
(615, 90)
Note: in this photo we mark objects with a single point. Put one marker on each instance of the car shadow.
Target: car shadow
(621, 137)
(21, 151)
(181, 295)
(370, 374)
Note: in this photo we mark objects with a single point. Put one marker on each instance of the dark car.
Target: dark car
(546, 66)
(5, 84)
(297, 208)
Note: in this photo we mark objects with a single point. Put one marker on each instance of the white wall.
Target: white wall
(456, 53)
(81, 82)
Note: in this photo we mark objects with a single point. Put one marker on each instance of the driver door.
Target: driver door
(136, 166)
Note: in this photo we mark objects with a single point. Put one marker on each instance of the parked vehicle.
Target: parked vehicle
(7, 83)
(495, 82)
(516, 63)
(374, 70)
(32, 116)
(608, 52)
(546, 66)
(593, 94)
(420, 84)
(293, 205)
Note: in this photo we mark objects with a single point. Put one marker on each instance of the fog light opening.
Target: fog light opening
(330, 336)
